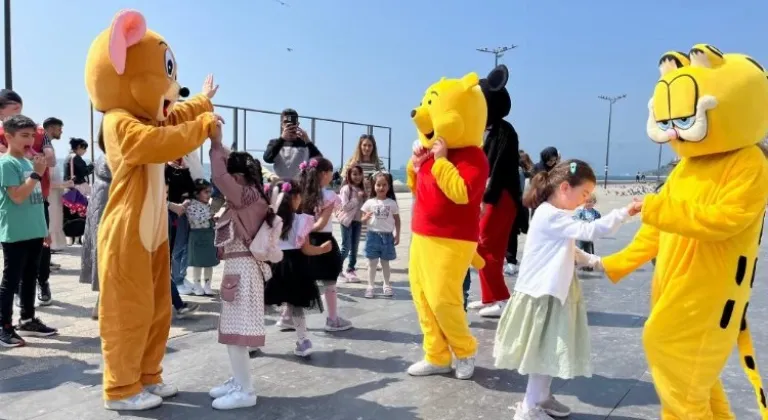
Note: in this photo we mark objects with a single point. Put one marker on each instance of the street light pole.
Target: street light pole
(8, 78)
(611, 100)
(658, 168)
(497, 52)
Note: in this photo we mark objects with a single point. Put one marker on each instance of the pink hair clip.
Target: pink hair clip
(266, 188)
(286, 188)
(313, 163)
(302, 166)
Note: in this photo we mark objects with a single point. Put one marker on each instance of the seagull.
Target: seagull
(282, 3)
(289, 49)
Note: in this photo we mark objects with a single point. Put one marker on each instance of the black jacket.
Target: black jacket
(501, 147)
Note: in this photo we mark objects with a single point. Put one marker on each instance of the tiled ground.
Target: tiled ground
(353, 375)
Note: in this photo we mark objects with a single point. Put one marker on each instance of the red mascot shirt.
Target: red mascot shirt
(435, 214)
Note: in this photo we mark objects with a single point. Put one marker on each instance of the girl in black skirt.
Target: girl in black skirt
(292, 283)
(319, 201)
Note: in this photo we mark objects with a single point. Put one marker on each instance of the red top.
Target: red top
(37, 148)
(434, 214)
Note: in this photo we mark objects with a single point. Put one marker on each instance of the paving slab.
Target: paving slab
(357, 374)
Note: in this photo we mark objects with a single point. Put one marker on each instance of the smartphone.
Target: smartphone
(292, 119)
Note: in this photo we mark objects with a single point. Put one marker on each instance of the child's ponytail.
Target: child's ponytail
(538, 191)
(575, 172)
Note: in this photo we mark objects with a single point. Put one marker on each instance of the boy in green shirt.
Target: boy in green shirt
(22, 230)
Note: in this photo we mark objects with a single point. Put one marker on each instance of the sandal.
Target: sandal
(388, 291)
(369, 292)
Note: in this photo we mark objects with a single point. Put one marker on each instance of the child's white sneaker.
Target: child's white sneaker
(139, 402)
(285, 324)
(424, 368)
(197, 289)
(235, 398)
(511, 269)
(223, 389)
(207, 290)
(536, 413)
(493, 311)
(162, 390)
(478, 304)
(465, 368)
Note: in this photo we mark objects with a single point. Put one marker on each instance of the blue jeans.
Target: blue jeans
(176, 297)
(178, 237)
(350, 239)
(465, 287)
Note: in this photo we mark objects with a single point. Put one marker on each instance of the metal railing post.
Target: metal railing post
(341, 162)
(234, 128)
(312, 131)
(369, 130)
(389, 151)
(245, 130)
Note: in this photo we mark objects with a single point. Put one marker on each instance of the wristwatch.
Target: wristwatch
(36, 176)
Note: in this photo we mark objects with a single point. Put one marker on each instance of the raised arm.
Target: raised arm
(461, 181)
(273, 149)
(190, 109)
(142, 144)
(562, 224)
(642, 249)
(740, 200)
(226, 183)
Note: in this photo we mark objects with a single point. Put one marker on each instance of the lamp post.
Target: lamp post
(497, 52)
(8, 78)
(611, 100)
(658, 167)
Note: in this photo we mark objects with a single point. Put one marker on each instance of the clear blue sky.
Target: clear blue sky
(370, 61)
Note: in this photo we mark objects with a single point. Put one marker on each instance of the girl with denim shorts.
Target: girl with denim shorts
(381, 214)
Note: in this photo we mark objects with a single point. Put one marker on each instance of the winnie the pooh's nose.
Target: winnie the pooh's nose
(413, 113)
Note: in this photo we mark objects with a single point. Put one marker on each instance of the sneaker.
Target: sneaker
(235, 398)
(338, 324)
(54, 266)
(35, 328)
(303, 348)
(44, 296)
(197, 289)
(223, 389)
(185, 288)
(139, 402)
(285, 324)
(207, 290)
(9, 338)
(387, 291)
(369, 292)
(493, 311)
(465, 368)
(478, 305)
(555, 408)
(351, 276)
(186, 310)
(162, 390)
(424, 368)
(535, 413)
(511, 269)
(17, 301)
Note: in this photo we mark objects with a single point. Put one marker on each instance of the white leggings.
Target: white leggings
(372, 265)
(537, 391)
(206, 272)
(241, 369)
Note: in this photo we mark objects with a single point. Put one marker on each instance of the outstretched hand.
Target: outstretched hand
(216, 134)
(635, 207)
(209, 88)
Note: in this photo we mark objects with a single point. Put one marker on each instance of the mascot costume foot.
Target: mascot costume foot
(502, 195)
(447, 176)
(131, 75)
(703, 227)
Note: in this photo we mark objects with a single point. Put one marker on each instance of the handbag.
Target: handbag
(264, 245)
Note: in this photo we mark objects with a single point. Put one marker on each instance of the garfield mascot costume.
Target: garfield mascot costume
(703, 227)
(130, 74)
(447, 175)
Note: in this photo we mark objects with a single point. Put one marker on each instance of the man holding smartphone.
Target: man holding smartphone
(292, 147)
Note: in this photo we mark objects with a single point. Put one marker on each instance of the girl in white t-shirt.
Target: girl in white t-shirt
(543, 331)
(383, 220)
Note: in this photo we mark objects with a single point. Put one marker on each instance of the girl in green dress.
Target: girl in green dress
(201, 251)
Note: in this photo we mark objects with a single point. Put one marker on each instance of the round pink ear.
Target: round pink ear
(128, 27)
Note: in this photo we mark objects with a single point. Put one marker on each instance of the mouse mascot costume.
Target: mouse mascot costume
(130, 75)
(502, 194)
(703, 227)
(447, 175)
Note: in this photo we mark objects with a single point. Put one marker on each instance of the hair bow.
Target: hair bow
(302, 166)
(573, 168)
(286, 188)
(313, 163)
(266, 188)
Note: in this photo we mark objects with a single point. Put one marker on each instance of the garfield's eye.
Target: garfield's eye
(684, 123)
(170, 63)
(664, 125)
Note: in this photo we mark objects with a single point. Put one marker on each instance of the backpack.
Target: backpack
(264, 246)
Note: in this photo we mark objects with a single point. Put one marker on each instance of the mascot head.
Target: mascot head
(708, 102)
(496, 95)
(132, 68)
(454, 110)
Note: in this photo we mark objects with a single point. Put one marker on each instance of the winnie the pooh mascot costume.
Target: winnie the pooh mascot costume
(130, 75)
(703, 227)
(447, 175)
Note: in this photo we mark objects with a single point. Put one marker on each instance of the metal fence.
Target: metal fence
(239, 123)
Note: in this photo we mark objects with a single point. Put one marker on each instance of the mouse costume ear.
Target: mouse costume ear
(128, 28)
(497, 78)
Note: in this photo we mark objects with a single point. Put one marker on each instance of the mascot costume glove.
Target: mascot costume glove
(130, 75)
(703, 227)
(448, 188)
(502, 193)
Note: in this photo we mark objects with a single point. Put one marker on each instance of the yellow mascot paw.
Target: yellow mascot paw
(478, 262)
